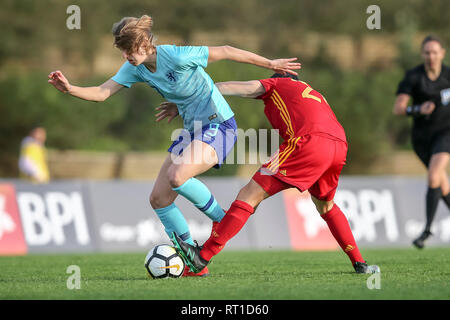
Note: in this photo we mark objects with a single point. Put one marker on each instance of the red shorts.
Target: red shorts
(311, 162)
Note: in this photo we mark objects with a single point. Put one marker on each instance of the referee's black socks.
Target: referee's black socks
(433, 196)
(446, 199)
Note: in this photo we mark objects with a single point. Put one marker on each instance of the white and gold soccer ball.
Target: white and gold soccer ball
(164, 262)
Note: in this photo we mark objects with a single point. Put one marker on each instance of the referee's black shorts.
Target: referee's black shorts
(425, 145)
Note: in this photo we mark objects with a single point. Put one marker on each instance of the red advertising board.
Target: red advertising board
(12, 241)
(307, 230)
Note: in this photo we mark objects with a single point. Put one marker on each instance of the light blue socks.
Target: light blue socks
(195, 191)
(174, 221)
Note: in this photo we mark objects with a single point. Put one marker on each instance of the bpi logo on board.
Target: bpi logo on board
(48, 218)
(365, 209)
(41, 219)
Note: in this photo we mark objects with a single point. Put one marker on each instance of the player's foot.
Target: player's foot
(189, 253)
(188, 273)
(362, 267)
(419, 243)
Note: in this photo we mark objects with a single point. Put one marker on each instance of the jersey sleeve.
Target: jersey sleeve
(406, 85)
(268, 85)
(187, 57)
(127, 75)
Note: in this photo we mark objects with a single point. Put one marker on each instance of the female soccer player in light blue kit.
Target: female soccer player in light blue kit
(177, 73)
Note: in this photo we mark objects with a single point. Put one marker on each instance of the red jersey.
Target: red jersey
(296, 109)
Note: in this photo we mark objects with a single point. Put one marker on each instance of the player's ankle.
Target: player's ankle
(209, 250)
(206, 253)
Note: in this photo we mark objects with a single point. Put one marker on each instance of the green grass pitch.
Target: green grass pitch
(267, 275)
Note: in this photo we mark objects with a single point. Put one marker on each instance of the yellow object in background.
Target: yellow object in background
(33, 157)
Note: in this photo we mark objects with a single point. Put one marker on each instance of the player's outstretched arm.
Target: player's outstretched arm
(282, 66)
(246, 89)
(99, 93)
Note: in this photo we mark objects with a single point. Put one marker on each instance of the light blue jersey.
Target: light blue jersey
(180, 78)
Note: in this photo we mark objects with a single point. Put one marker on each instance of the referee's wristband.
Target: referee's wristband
(413, 110)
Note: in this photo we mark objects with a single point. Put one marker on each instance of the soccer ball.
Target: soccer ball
(164, 262)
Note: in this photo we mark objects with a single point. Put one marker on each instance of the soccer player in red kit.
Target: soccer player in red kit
(311, 158)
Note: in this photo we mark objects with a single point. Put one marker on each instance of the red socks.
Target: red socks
(339, 227)
(240, 211)
(228, 227)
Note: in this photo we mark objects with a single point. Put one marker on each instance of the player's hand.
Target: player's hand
(166, 110)
(427, 107)
(284, 66)
(57, 79)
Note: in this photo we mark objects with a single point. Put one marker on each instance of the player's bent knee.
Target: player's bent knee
(153, 201)
(323, 206)
(175, 176)
(434, 179)
(252, 193)
(157, 201)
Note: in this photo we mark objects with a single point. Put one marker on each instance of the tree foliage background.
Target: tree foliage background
(34, 41)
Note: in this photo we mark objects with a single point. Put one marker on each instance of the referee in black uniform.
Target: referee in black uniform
(429, 86)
